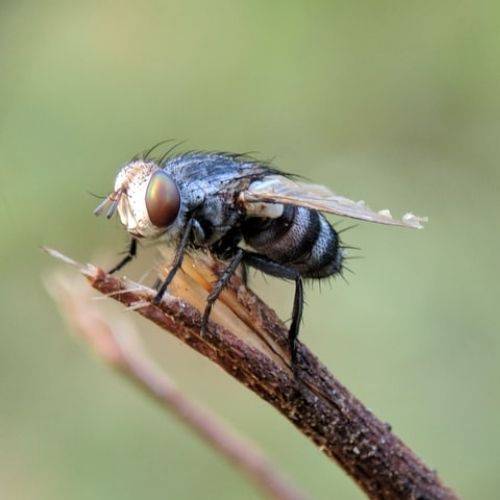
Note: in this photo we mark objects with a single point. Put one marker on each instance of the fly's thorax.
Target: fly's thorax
(149, 200)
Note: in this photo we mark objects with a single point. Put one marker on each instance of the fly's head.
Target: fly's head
(146, 198)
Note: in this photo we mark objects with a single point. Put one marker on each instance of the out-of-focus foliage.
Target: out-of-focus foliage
(397, 103)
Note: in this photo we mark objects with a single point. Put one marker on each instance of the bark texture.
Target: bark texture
(247, 339)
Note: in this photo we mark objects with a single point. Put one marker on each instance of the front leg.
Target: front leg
(131, 253)
(177, 262)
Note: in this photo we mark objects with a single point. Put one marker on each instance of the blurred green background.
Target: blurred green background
(397, 103)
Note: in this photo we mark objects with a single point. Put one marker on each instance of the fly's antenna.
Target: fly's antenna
(113, 206)
(99, 209)
(110, 201)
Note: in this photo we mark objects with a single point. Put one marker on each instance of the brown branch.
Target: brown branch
(121, 349)
(247, 339)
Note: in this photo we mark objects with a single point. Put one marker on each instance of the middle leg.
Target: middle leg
(219, 286)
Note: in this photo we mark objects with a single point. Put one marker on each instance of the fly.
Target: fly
(244, 212)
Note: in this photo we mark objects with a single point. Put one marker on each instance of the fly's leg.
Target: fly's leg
(268, 266)
(131, 253)
(298, 307)
(219, 286)
(244, 274)
(177, 262)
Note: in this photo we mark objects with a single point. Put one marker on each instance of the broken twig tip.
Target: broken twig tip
(60, 256)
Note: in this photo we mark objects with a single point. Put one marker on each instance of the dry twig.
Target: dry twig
(247, 340)
(118, 345)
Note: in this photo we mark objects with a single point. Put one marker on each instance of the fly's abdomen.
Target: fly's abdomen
(300, 238)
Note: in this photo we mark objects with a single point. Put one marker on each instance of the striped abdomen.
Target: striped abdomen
(300, 238)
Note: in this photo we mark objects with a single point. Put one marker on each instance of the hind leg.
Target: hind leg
(268, 266)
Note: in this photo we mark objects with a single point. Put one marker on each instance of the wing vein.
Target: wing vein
(279, 189)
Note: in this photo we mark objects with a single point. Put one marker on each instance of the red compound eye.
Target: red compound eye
(162, 200)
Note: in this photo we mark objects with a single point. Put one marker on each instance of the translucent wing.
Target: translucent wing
(278, 189)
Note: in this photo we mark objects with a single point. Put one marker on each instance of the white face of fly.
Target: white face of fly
(132, 183)
(146, 197)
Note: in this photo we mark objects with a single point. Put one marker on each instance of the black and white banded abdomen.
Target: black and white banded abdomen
(301, 239)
